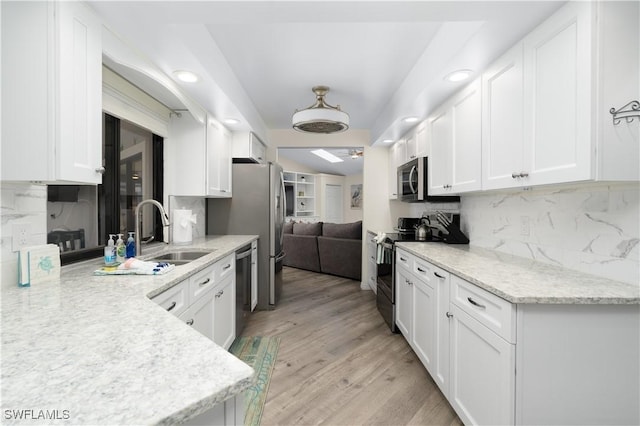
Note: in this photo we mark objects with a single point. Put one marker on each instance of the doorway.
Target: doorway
(333, 206)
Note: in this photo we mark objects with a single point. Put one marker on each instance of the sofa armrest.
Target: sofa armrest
(341, 256)
(301, 251)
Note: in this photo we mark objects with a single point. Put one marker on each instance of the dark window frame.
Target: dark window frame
(108, 191)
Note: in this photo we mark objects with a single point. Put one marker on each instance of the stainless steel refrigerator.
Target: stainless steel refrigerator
(256, 207)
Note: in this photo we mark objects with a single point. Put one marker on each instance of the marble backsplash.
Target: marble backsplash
(197, 205)
(20, 203)
(593, 228)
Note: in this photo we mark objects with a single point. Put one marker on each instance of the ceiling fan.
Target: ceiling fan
(352, 153)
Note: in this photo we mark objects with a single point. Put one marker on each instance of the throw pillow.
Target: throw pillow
(307, 228)
(343, 230)
(288, 228)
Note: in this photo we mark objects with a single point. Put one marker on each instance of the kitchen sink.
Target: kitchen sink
(180, 257)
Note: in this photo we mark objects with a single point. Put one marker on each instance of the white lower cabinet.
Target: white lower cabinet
(224, 318)
(473, 365)
(206, 301)
(254, 275)
(200, 315)
(576, 364)
(482, 368)
(227, 413)
(372, 265)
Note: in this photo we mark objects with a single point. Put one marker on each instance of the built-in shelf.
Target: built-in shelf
(300, 194)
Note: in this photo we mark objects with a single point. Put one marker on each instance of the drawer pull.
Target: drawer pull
(190, 322)
(438, 275)
(173, 305)
(449, 315)
(205, 282)
(227, 266)
(421, 270)
(403, 259)
(474, 303)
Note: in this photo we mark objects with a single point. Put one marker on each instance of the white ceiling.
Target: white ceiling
(383, 60)
(348, 167)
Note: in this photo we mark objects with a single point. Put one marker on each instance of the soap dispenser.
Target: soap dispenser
(131, 246)
(110, 252)
(120, 249)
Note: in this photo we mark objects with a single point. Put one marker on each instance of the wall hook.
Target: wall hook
(629, 114)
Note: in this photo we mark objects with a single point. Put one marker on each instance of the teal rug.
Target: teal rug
(260, 354)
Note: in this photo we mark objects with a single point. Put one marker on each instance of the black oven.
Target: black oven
(445, 228)
(385, 278)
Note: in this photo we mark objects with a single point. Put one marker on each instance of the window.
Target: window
(80, 218)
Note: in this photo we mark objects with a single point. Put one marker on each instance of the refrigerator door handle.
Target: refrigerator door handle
(283, 208)
(281, 256)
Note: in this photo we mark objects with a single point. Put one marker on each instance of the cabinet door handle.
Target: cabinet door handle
(420, 269)
(228, 265)
(205, 282)
(403, 259)
(173, 305)
(474, 303)
(101, 170)
(515, 175)
(438, 275)
(524, 175)
(220, 293)
(190, 322)
(449, 315)
(223, 190)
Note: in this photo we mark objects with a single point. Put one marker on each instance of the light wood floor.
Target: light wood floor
(338, 362)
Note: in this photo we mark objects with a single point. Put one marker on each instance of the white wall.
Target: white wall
(293, 166)
(351, 214)
(20, 203)
(593, 228)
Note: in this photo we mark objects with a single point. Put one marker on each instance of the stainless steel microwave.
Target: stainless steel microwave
(413, 186)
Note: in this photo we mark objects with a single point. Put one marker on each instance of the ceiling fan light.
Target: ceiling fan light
(320, 117)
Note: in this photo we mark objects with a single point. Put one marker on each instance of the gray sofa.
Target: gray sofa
(330, 248)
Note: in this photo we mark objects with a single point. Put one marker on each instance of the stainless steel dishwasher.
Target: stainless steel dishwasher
(243, 287)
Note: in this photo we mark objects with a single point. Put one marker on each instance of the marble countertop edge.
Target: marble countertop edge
(523, 281)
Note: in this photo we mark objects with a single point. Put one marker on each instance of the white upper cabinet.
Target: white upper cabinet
(502, 121)
(219, 141)
(393, 163)
(247, 145)
(197, 158)
(422, 141)
(557, 88)
(455, 143)
(546, 102)
(51, 92)
(618, 68)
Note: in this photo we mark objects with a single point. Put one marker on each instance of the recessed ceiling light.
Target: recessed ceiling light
(387, 141)
(327, 156)
(186, 76)
(458, 75)
(410, 119)
(231, 121)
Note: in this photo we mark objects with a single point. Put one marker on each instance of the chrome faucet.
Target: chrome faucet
(163, 216)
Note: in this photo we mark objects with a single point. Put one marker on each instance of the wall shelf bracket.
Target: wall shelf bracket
(628, 112)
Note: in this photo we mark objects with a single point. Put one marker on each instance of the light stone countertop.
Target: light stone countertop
(520, 280)
(99, 348)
